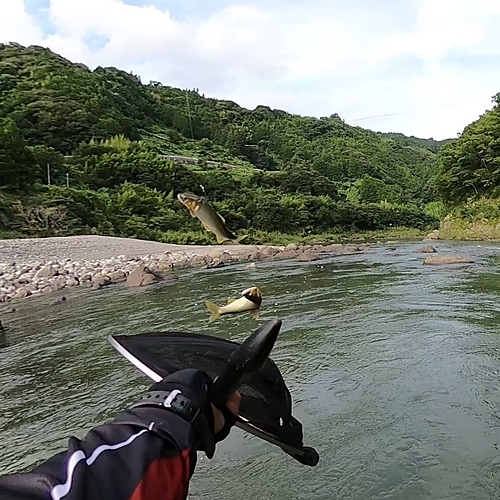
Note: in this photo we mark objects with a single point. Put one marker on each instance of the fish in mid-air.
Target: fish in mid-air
(250, 300)
(212, 221)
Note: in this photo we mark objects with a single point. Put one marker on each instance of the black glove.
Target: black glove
(185, 393)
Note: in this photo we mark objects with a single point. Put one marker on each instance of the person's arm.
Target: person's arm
(146, 453)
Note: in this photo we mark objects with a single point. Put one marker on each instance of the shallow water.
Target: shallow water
(393, 366)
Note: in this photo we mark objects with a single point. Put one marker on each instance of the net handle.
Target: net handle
(245, 360)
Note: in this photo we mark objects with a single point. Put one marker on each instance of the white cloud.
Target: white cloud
(312, 58)
(16, 25)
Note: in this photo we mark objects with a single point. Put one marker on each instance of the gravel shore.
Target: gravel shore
(87, 248)
(42, 265)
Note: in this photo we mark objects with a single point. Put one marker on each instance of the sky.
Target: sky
(419, 67)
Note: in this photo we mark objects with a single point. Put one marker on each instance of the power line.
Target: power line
(413, 110)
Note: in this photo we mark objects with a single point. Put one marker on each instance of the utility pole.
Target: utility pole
(189, 114)
(67, 179)
(48, 174)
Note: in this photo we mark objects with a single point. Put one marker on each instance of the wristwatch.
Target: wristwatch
(173, 400)
(183, 407)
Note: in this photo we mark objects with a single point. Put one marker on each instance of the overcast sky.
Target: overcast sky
(432, 66)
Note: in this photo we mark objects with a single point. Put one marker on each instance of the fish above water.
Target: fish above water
(250, 300)
(211, 220)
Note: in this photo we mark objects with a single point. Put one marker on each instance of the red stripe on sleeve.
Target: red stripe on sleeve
(165, 479)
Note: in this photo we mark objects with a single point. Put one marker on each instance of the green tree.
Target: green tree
(18, 166)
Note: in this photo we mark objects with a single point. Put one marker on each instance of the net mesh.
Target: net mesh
(265, 402)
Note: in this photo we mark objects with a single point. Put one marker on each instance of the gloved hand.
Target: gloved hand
(186, 393)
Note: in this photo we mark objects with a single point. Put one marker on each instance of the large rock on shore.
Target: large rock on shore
(269, 251)
(118, 276)
(436, 260)
(224, 258)
(72, 281)
(257, 255)
(22, 293)
(141, 276)
(287, 254)
(217, 253)
(308, 256)
(45, 272)
(58, 283)
(100, 281)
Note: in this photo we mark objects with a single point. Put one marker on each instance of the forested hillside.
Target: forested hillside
(470, 165)
(100, 152)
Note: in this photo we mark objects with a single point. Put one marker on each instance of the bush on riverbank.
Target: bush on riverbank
(474, 220)
(469, 180)
(140, 212)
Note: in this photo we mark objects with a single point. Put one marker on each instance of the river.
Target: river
(393, 366)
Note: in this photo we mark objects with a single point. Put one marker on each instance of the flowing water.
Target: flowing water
(393, 366)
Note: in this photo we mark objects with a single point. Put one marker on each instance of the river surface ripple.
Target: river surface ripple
(393, 367)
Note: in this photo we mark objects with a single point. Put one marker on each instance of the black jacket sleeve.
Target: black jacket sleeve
(143, 454)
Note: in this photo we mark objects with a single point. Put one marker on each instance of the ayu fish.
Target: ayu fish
(250, 300)
(211, 220)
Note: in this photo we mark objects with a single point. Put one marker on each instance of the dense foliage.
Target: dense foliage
(470, 165)
(99, 152)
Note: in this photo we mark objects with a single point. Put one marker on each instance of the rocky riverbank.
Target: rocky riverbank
(40, 266)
